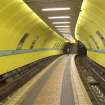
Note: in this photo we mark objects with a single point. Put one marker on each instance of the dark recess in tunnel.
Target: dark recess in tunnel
(75, 48)
(69, 48)
(81, 49)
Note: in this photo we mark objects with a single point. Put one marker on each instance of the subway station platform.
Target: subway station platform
(57, 84)
(52, 52)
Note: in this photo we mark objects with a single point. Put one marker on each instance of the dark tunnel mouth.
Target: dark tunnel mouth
(75, 48)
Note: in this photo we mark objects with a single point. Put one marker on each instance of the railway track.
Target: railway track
(12, 81)
(93, 78)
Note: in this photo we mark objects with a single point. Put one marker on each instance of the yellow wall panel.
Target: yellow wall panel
(11, 62)
(92, 19)
(17, 19)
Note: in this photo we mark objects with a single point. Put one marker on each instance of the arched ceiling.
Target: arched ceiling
(74, 5)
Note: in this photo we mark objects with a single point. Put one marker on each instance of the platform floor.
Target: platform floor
(58, 84)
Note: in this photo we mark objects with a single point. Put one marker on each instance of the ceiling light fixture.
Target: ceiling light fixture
(62, 26)
(60, 22)
(56, 9)
(59, 17)
(63, 29)
(65, 32)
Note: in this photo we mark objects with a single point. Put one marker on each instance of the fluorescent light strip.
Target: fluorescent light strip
(63, 29)
(59, 17)
(56, 9)
(64, 33)
(62, 26)
(60, 22)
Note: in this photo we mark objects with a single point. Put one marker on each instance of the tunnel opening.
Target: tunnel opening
(75, 48)
(81, 49)
(70, 48)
